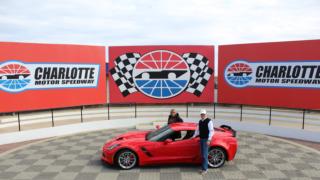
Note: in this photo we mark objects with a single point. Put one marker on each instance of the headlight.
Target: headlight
(113, 146)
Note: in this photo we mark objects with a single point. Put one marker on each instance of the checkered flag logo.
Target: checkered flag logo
(122, 72)
(200, 72)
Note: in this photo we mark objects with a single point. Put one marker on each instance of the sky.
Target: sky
(155, 22)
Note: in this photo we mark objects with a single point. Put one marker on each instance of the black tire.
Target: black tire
(217, 156)
(126, 159)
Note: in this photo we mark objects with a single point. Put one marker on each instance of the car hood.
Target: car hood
(132, 135)
(136, 136)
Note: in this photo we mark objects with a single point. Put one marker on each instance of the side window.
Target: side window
(181, 135)
(166, 135)
(189, 134)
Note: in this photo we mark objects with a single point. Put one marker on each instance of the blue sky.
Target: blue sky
(143, 22)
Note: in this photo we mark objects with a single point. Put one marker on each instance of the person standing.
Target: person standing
(174, 118)
(205, 130)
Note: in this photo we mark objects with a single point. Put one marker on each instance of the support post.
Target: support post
(214, 110)
(19, 121)
(135, 110)
(187, 109)
(81, 109)
(240, 112)
(108, 111)
(52, 121)
(303, 117)
(270, 110)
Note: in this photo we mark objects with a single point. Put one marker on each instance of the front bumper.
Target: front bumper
(107, 157)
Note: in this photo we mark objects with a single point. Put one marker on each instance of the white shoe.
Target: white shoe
(204, 172)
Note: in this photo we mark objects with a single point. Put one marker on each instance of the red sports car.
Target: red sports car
(159, 147)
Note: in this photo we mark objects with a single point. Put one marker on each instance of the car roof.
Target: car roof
(183, 126)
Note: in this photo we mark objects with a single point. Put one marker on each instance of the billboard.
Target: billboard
(280, 74)
(161, 74)
(43, 76)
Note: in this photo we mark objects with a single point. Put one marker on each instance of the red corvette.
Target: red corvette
(157, 147)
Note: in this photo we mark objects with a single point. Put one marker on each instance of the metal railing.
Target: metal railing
(294, 118)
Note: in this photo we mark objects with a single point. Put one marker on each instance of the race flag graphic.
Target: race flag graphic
(200, 72)
(161, 74)
(122, 72)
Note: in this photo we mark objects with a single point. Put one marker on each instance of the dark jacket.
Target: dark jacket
(174, 119)
(203, 128)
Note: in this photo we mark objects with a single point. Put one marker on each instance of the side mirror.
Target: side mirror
(167, 141)
(157, 126)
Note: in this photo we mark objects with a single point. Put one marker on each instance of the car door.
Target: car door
(183, 149)
(180, 150)
(154, 153)
(154, 149)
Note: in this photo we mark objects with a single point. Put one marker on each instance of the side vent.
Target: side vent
(144, 150)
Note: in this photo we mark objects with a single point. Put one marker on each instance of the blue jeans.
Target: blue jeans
(204, 154)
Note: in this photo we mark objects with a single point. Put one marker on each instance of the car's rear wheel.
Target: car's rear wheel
(126, 159)
(216, 157)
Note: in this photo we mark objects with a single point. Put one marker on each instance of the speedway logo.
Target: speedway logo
(287, 74)
(16, 76)
(161, 74)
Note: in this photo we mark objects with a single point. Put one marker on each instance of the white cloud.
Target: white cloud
(158, 22)
(135, 22)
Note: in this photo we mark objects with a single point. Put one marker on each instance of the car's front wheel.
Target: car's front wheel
(126, 159)
(216, 157)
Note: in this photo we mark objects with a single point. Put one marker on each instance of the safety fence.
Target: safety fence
(271, 116)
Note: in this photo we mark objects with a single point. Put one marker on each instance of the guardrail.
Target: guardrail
(271, 116)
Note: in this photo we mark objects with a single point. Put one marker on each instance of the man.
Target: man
(205, 130)
(174, 118)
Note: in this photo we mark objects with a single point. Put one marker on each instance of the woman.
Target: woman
(174, 118)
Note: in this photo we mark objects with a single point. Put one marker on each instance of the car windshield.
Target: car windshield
(159, 134)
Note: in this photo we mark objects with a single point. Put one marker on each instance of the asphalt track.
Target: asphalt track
(78, 157)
